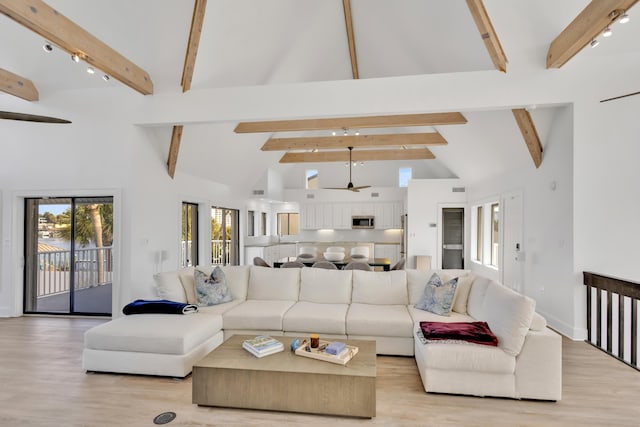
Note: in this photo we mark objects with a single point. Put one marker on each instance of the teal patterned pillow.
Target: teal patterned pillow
(438, 297)
(211, 290)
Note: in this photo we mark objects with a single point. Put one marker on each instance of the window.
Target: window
(189, 248)
(251, 225)
(225, 238)
(495, 228)
(288, 224)
(404, 177)
(263, 221)
(311, 179)
(485, 234)
(479, 233)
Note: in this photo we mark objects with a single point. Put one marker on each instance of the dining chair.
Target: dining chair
(324, 264)
(260, 262)
(399, 265)
(335, 249)
(358, 265)
(292, 264)
(359, 253)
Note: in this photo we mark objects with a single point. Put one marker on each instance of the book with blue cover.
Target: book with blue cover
(262, 345)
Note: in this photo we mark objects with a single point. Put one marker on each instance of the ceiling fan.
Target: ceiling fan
(8, 115)
(350, 185)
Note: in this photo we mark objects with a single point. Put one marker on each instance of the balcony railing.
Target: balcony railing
(612, 316)
(93, 267)
(220, 252)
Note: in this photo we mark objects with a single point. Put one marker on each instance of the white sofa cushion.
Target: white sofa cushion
(538, 323)
(466, 357)
(509, 315)
(417, 279)
(461, 296)
(379, 320)
(475, 307)
(426, 316)
(168, 286)
(257, 314)
(380, 287)
(153, 333)
(274, 284)
(325, 286)
(237, 279)
(314, 317)
(219, 308)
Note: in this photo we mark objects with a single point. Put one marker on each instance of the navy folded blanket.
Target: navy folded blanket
(159, 306)
(475, 332)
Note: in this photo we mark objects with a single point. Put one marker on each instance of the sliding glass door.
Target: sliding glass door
(68, 255)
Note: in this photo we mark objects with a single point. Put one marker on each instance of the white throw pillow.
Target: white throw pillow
(168, 286)
(462, 294)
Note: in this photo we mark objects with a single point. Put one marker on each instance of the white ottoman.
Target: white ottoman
(151, 344)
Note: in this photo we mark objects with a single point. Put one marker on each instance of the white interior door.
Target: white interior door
(513, 251)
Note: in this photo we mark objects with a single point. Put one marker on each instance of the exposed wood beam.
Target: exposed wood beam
(346, 4)
(19, 86)
(488, 34)
(42, 19)
(358, 156)
(430, 119)
(593, 19)
(323, 142)
(192, 46)
(174, 148)
(530, 135)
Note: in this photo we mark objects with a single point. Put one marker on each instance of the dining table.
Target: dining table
(385, 263)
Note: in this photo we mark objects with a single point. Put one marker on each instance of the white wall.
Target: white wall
(425, 198)
(607, 192)
(548, 223)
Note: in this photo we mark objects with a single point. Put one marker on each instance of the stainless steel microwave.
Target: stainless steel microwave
(362, 221)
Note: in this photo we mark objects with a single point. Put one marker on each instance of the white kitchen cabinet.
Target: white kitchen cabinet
(387, 215)
(341, 216)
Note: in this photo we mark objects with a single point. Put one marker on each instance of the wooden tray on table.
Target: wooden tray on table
(320, 354)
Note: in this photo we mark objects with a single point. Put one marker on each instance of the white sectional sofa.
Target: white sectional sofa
(341, 304)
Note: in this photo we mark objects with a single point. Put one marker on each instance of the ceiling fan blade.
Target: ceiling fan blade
(621, 96)
(8, 115)
(361, 187)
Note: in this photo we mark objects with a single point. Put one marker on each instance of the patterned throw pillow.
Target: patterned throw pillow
(211, 290)
(438, 297)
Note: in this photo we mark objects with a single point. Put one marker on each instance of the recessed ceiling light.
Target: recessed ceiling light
(90, 70)
(333, 133)
(357, 132)
(594, 43)
(607, 32)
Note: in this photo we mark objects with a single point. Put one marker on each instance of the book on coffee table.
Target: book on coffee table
(262, 345)
(320, 353)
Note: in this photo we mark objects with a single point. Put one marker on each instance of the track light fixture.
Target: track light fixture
(594, 43)
(106, 77)
(624, 18)
(607, 32)
(75, 57)
(91, 70)
(47, 47)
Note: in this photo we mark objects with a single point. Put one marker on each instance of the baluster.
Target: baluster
(620, 326)
(599, 318)
(589, 288)
(609, 322)
(634, 332)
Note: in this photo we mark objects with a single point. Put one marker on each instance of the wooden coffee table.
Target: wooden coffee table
(232, 377)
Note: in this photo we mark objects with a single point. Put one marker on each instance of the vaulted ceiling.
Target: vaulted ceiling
(247, 43)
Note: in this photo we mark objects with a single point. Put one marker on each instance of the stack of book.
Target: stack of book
(262, 345)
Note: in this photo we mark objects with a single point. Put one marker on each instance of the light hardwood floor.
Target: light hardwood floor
(42, 384)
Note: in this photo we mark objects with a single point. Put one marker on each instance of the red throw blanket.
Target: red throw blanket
(475, 332)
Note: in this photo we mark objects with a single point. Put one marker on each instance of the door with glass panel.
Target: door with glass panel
(225, 236)
(68, 255)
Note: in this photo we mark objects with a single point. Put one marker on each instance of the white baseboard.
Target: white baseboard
(569, 331)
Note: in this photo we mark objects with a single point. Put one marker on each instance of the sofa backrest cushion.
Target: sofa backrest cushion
(476, 297)
(461, 298)
(417, 279)
(324, 286)
(509, 315)
(168, 286)
(276, 284)
(237, 279)
(380, 287)
(538, 323)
